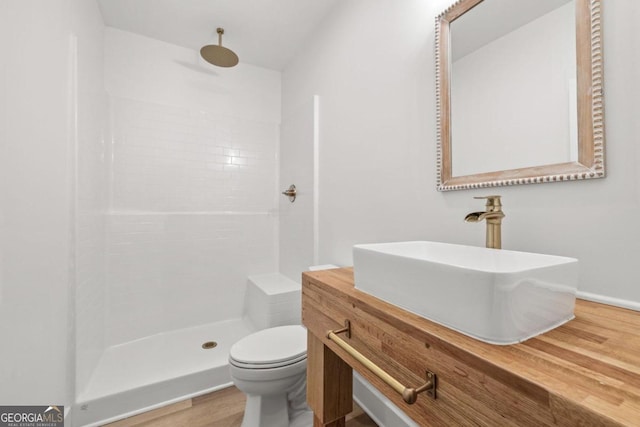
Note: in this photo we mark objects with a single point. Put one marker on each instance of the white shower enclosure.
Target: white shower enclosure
(185, 209)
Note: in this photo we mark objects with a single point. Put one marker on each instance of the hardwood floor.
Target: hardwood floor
(222, 408)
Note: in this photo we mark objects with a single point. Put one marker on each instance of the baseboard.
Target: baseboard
(618, 302)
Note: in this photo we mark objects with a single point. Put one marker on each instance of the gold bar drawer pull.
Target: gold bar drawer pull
(409, 395)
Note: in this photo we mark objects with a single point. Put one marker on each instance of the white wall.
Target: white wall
(4, 131)
(373, 67)
(296, 238)
(37, 194)
(193, 178)
(91, 193)
(36, 203)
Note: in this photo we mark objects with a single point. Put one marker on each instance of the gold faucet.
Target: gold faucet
(493, 215)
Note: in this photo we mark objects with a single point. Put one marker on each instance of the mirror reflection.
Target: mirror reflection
(513, 86)
(519, 92)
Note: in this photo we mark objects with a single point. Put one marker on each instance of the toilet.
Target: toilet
(270, 366)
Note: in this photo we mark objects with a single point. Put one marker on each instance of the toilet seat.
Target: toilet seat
(270, 348)
(267, 365)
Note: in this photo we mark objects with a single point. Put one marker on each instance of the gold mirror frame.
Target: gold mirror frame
(590, 162)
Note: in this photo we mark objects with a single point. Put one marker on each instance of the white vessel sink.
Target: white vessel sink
(496, 296)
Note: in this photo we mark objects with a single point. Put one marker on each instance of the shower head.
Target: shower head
(219, 55)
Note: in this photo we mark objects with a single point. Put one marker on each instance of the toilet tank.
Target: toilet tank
(272, 300)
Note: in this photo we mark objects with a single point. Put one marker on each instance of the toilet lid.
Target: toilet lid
(279, 345)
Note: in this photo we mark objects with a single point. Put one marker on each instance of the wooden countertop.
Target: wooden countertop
(589, 368)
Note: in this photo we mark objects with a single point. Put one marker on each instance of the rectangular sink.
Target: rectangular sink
(496, 296)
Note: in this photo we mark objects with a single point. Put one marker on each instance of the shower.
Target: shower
(218, 54)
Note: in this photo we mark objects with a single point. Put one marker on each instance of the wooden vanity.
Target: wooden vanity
(584, 373)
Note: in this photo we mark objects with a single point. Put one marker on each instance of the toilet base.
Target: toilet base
(261, 411)
(274, 410)
(304, 419)
(266, 410)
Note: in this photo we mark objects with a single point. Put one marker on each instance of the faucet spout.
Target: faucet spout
(493, 216)
(475, 217)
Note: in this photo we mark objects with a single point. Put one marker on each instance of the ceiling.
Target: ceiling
(266, 33)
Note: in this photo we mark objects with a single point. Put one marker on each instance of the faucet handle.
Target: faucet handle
(496, 196)
(493, 202)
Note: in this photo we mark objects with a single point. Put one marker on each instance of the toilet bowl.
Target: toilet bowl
(270, 366)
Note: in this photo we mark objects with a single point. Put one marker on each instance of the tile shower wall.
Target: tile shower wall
(169, 271)
(169, 158)
(193, 187)
(193, 198)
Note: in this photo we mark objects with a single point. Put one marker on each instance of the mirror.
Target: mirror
(519, 87)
